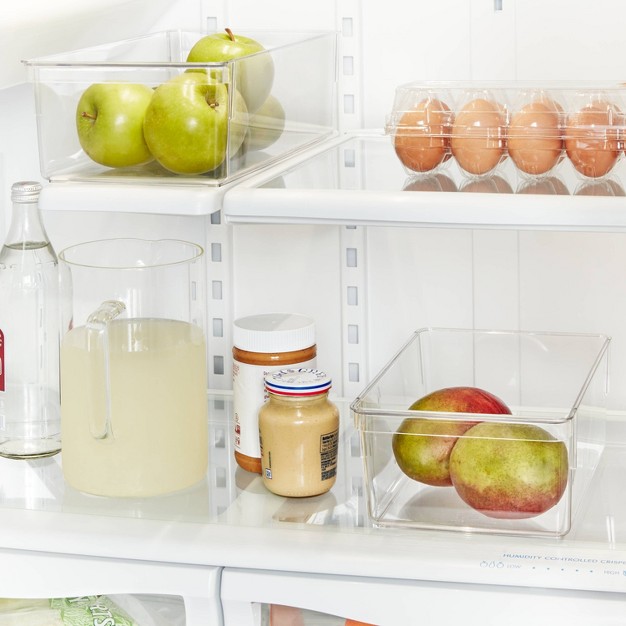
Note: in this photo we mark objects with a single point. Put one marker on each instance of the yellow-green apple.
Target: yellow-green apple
(254, 74)
(266, 125)
(422, 446)
(109, 122)
(509, 470)
(188, 125)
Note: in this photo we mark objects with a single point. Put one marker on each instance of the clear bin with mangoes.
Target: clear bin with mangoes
(484, 431)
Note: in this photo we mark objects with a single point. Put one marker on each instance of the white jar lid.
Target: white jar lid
(271, 333)
(298, 382)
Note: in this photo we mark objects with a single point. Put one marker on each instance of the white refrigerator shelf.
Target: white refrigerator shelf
(357, 179)
(231, 520)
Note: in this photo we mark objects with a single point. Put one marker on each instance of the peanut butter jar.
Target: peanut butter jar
(263, 344)
(299, 428)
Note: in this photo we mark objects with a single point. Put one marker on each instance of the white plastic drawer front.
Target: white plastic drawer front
(393, 602)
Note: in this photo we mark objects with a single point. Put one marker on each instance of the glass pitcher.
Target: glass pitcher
(133, 367)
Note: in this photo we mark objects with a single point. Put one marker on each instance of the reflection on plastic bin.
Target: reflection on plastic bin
(489, 184)
(550, 185)
(432, 182)
(606, 187)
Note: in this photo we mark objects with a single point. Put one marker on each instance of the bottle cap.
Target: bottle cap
(25, 191)
(298, 382)
(271, 333)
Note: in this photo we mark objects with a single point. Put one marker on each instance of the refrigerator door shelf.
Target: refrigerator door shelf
(357, 179)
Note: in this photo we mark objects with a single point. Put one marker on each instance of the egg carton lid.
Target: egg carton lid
(598, 108)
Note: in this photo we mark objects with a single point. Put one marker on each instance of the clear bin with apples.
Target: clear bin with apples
(485, 431)
(574, 134)
(184, 107)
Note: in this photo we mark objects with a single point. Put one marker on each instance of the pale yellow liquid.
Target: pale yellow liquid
(158, 441)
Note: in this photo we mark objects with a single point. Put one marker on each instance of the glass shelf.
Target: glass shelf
(358, 180)
(228, 495)
(232, 496)
(232, 520)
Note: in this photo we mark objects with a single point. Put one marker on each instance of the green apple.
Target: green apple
(422, 446)
(188, 125)
(253, 75)
(109, 122)
(266, 125)
(509, 470)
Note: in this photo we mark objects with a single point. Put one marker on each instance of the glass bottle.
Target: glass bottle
(30, 424)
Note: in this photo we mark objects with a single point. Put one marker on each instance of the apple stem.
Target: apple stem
(89, 115)
(230, 34)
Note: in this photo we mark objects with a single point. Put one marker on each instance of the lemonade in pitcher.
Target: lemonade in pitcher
(134, 414)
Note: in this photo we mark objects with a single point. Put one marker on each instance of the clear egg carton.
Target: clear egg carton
(483, 129)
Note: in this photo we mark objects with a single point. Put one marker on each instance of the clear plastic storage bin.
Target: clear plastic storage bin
(279, 119)
(554, 385)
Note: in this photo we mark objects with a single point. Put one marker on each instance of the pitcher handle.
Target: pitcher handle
(98, 322)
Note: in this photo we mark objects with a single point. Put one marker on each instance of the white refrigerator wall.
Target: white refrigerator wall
(367, 288)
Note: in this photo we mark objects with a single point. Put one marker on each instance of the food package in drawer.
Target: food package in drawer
(541, 129)
(183, 107)
(80, 611)
(485, 431)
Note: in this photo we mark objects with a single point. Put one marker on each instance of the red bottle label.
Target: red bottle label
(1, 361)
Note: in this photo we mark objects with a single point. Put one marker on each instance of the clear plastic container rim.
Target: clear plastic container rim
(360, 410)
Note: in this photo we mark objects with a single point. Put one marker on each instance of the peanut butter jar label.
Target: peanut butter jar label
(249, 395)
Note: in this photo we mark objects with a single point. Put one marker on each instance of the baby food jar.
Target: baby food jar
(264, 344)
(299, 431)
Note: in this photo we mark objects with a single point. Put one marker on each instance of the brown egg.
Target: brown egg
(591, 139)
(534, 137)
(422, 135)
(478, 136)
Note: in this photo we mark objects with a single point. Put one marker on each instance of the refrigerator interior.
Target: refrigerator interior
(368, 282)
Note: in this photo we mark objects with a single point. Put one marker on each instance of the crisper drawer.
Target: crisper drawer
(260, 598)
(151, 593)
